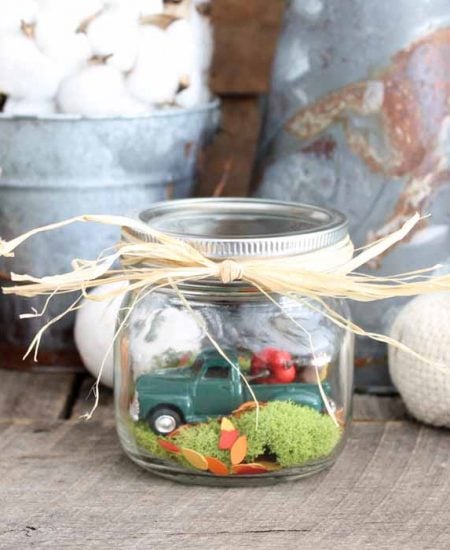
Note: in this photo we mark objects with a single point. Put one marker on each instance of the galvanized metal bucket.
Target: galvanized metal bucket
(56, 168)
(358, 119)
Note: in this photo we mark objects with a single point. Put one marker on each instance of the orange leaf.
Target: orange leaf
(177, 431)
(247, 406)
(195, 459)
(216, 466)
(227, 439)
(249, 469)
(269, 466)
(168, 446)
(239, 450)
(226, 425)
(340, 417)
(183, 427)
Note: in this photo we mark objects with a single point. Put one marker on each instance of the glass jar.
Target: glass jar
(217, 384)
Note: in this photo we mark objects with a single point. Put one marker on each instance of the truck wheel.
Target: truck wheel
(164, 420)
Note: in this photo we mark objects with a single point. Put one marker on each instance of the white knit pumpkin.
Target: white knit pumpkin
(94, 332)
(424, 325)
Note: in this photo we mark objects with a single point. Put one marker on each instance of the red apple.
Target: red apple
(278, 362)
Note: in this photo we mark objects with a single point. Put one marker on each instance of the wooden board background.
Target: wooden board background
(245, 39)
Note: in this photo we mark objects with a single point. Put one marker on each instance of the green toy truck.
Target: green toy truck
(209, 388)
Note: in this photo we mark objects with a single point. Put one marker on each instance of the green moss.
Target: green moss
(148, 440)
(290, 433)
(294, 434)
(203, 438)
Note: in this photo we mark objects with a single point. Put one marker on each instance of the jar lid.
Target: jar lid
(232, 228)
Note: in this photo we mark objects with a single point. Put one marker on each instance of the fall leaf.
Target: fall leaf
(239, 450)
(180, 429)
(226, 425)
(249, 469)
(169, 446)
(340, 417)
(227, 440)
(269, 466)
(228, 434)
(216, 466)
(195, 459)
(247, 406)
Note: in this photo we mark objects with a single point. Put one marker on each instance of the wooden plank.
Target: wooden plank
(245, 34)
(68, 485)
(11, 357)
(230, 158)
(34, 395)
(378, 408)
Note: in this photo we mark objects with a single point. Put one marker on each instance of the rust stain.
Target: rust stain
(170, 191)
(188, 149)
(410, 103)
(322, 147)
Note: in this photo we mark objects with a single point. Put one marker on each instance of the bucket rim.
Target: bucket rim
(213, 105)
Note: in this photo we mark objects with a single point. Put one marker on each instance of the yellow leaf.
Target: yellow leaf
(226, 425)
(195, 459)
(239, 450)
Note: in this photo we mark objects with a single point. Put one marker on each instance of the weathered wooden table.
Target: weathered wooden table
(65, 483)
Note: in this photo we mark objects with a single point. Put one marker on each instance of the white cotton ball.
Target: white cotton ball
(98, 90)
(130, 106)
(181, 38)
(422, 325)
(204, 40)
(150, 7)
(140, 7)
(14, 12)
(91, 92)
(195, 95)
(179, 9)
(115, 33)
(94, 331)
(29, 107)
(131, 7)
(70, 13)
(155, 77)
(67, 48)
(25, 71)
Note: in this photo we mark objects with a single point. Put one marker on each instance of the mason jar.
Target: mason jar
(221, 384)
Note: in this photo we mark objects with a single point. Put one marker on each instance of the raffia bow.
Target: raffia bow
(328, 272)
(157, 259)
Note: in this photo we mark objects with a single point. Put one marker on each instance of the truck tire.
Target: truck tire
(164, 420)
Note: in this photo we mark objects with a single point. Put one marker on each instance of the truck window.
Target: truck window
(217, 372)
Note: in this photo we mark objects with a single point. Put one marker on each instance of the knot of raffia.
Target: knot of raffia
(229, 271)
